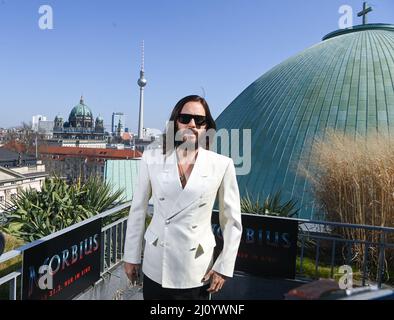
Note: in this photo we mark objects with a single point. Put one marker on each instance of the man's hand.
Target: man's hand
(132, 271)
(217, 281)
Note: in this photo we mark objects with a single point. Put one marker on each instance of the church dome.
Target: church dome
(344, 83)
(81, 116)
(81, 110)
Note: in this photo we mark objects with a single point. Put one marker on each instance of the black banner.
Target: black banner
(64, 266)
(268, 246)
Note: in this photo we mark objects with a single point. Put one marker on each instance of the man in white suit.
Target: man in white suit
(184, 183)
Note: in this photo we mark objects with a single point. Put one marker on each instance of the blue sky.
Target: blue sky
(216, 47)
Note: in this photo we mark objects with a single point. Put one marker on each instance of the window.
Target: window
(1, 198)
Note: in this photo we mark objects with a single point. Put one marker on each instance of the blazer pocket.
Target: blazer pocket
(202, 204)
(150, 237)
(205, 245)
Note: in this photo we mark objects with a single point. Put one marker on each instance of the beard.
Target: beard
(188, 138)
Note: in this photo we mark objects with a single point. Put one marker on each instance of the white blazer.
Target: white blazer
(179, 241)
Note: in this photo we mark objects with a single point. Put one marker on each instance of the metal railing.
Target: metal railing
(113, 236)
(112, 246)
(354, 245)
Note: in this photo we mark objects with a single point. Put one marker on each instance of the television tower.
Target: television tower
(142, 83)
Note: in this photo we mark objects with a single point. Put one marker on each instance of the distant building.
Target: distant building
(36, 120)
(81, 129)
(40, 124)
(45, 128)
(118, 123)
(150, 132)
(123, 175)
(18, 172)
(12, 159)
(146, 143)
(3, 134)
(127, 137)
(74, 163)
(76, 143)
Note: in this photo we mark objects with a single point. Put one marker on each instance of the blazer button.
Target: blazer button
(168, 221)
(161, 199)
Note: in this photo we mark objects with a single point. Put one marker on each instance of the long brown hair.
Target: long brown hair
(210, 122)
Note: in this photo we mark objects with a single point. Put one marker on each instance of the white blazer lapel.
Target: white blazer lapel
(168, 179)
(194, 188)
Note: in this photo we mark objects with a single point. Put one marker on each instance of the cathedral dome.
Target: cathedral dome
(344, 83)
(81, 115)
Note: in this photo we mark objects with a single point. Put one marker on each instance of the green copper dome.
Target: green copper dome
(80, 111)
(345, 83)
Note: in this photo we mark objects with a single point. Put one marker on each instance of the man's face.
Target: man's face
(192, 130)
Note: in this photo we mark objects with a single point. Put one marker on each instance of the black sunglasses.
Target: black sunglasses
(185, 118)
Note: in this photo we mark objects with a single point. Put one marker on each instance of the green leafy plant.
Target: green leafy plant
(274, 206)
(34, 214)
(271, 206)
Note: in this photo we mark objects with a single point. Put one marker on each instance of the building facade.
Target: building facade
(12, 159)
(36, 120)
(18, 173)
(81, 126)
(118, 123)
(75, 163)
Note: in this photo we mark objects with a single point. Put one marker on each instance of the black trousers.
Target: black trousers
(152, 290)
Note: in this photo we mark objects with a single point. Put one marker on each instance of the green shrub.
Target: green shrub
(36, 214)
(272, 206)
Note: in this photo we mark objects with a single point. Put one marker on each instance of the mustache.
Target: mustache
(195, 132)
